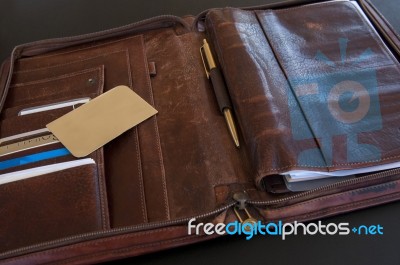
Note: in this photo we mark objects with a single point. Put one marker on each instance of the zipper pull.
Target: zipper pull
(241, 198)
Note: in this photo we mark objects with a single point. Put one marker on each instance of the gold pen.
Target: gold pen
(220, 90)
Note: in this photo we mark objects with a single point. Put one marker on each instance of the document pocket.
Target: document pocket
(51, 206)
(313, 94)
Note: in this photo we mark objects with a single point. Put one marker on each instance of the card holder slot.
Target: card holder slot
(136, 193)
(51, 206)
(33, 151)
(22, 124)
(64, 157)
(114, 55)
(14, 111)
(75, 84)
(122, 60)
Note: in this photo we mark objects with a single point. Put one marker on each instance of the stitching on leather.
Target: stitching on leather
(101, 81)
(373, 35)
(69, 63)
(128, 65)
(96, 70)
(81, 49)
(317, 5)
(100, 170)
(137, 147)
(154, 118)
(389, 57)
(262, 174)
(333, 196)
(100, 178)
(141, 185)
(383, 49)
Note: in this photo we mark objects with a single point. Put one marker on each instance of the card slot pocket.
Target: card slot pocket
(60, 155)
(22, 124)
(114, 55)
(122, 60)
(26, 161)
(15, 111)
(136, 192)
(52, 206)
(75, 85)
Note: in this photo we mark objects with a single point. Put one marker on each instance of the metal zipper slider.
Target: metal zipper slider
(241, 198)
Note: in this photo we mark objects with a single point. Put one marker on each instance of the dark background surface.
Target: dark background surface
(25, 21)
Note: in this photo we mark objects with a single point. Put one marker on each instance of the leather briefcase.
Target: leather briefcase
(313, 88)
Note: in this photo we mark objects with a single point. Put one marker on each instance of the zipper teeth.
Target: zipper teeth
(141, 23)
(112, 232)
(328, 187)
(137, 228)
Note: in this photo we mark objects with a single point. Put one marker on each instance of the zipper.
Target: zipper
(340, 184)
(243, 202)
(109, 233)
(274, 5)
(247, 220)
(240, 202)
(161, 21)
(43, 46)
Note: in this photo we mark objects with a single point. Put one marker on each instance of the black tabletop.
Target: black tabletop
(25, 21)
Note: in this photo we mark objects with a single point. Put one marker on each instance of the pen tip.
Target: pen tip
(237, 143)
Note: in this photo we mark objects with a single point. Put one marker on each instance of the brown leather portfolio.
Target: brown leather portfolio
(312, 90)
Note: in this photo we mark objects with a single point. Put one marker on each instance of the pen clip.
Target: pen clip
(204, 63)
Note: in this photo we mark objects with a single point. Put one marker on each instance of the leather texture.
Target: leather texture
(34, 203)
(182, 162)
(280, 66)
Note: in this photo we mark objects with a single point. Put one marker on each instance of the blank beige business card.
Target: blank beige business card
(99, 121)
